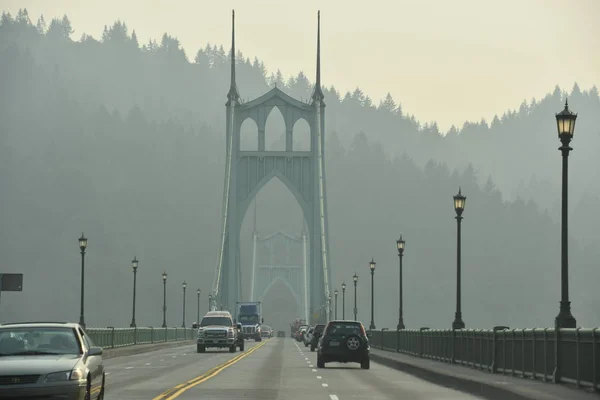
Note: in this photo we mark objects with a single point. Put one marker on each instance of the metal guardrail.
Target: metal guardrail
(528, 353)
(111, 338)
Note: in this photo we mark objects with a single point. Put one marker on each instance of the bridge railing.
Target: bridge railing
(532, 353)
(110, 338)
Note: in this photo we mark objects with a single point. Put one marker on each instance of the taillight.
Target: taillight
(362, 331)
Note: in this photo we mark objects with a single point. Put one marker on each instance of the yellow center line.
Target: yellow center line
(178, 390)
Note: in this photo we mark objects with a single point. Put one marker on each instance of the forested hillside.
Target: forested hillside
(126, 141)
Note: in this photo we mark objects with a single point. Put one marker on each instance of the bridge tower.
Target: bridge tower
(246, 172)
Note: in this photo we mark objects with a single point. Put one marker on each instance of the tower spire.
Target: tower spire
(318, 93)
(233, 94)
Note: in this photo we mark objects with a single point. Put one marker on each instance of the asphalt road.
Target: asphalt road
(278, 368)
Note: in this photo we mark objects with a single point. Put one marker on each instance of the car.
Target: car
(266, 331)
(217, 329)
(308, 336)
(344, 341)
(49, 360)
(281, 334)
(300, 333)
(316, 335)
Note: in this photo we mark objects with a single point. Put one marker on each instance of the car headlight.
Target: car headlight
(230, 333)
(62, 376)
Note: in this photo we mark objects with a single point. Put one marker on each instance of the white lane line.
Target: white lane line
(333, 397)
(306, 358)
(129, 368)
(324, 384)
(314, 370)
(319, 377)
(311, 366)
(147, 364)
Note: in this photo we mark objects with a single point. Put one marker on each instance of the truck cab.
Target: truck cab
(249, 315)
(217, 329)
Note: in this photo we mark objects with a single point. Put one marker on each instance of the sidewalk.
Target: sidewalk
(479, 383)
(144, 348)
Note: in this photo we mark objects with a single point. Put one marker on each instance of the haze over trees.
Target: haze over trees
(125, 141)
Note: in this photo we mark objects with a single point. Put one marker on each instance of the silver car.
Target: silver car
(49, 360)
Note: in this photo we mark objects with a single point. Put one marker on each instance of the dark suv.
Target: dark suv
(317, 333)
(344, 341)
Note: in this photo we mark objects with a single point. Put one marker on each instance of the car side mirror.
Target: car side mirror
(369, 335)
(239, 326)
(95, 351)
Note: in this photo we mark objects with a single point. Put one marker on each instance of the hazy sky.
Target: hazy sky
(444, 60)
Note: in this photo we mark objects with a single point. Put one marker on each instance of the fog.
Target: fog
(124, 141)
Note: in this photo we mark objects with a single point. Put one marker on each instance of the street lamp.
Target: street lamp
(82, 247)
(355, 279)
(209, 302)
(329, 306)
(184, 286)
(400, 245)
(344, 300)
(134, 265)
(459, 207)
(198, 308)
(565, 122)
(335, 292)
(372, 267)
(164, 279)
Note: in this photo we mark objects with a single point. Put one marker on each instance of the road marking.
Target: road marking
(333, 397)
(129, 368)
(311, 366)
(324, 384)
(314, 370)
(147, 364)
(178, 390)
(319, 377)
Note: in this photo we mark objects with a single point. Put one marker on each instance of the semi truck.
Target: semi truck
(249, 315)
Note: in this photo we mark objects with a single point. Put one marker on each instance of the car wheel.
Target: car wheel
(320, 363)
(200, 349)
(312, 348)
(242, 346)
(232, 349)
(366, 363)
(353, 343)
(101, 394)
(259, 339)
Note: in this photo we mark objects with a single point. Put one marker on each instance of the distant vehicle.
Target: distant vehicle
(317, 333)
(249, 314)
(344, 341)
(49, 360)
(295, 326)
(300, 333)
(280, 333)
(308, 336)
(266, 331)
(218, 330)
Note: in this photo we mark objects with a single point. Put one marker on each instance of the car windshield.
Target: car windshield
(38, 341)
(249, 318)
(343, 329)
(216, 321)
(266, 328)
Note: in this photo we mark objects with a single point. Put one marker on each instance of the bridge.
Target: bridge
(410, 363)
(247, 171)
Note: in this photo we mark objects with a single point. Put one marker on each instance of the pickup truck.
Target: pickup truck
(217, 329)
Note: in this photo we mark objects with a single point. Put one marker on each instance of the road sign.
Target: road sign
(11, 282)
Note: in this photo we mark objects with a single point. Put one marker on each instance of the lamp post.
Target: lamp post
(335, 292)
(209, 302)
(198, 308)
(164, 279)
(343, 300)
(459, 207)
(184, 286)
(329, 307)
(372, 267)
(355, 279)
(134, 265)
(82, 247)
(400, 245)
(565, 121)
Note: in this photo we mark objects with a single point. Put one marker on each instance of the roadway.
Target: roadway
(278, 368)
